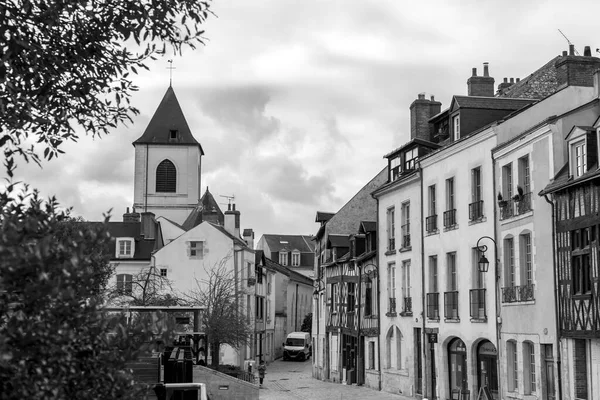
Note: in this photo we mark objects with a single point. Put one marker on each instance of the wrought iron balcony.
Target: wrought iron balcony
(517, 205)
(431, 223)
(392, 307)
(476, 210)
(407, 309)
(451, 305)
(405, 241)
(449, 218)
(391, 244)
(515, 294)
(433, 306)
(477, 302)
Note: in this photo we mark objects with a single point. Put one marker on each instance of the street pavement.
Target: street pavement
(292, 380)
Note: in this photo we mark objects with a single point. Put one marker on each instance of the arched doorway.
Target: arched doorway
(487, 362)
(457, 368)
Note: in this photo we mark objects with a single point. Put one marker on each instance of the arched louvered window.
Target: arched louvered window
(166, 177)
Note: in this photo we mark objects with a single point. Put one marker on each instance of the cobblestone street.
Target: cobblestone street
(292, 380)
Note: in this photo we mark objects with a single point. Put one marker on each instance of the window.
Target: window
(525, 262)
(371, 355)
(351, 296)
(528, 368)
(456, 127)
(195, 249)
(260, 303)
(258, 271)
(580, 367)
(581, 271)
(248, 307)
(406, 225)
(335, 297)
(391, 228)
(509, 262)
(394, 168)
(478, 276)
(524, 178)
(406, 286)
(409, 159)
(452, 274)
(399, 349)
(283, 258)
(392, 287)
(507, 183)
(124, 248)
(476, 184)
(432, 208)
(580, 158)
(295, 259)
(512, 367)
(166, 177)
(433, 274)
(173, 134)
(124, 283)
(163, 272)
(450, 194)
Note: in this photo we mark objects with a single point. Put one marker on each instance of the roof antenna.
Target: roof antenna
(569, 42)
(229, 198)
(170, 68)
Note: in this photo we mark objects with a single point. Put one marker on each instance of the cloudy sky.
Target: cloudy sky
(295, 102)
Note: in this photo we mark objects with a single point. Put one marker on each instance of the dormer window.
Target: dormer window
(410, 157)
(283, 258)
(173, 134)
(395, 168)
(456, 127)
(295, 258)
(580, 159)
(125, 248)
(582, 142)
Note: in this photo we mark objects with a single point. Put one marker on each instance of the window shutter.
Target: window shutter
(166, 177)
(592, 149)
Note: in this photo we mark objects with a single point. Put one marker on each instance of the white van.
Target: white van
(297, 346)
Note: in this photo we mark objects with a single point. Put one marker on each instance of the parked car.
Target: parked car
(297, 346)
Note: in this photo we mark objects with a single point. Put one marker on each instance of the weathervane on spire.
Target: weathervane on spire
(170, 68)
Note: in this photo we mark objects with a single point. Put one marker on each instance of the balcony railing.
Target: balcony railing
(515, 206)
(451, 305)
(405, 241)
(516, 294)
(476, 210)
(449, 218)
(431, 223)
(433, 306)
(392, 306)
(477, 302)
(407, 306)
(391, 244)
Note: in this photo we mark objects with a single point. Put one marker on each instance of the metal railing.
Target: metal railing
(405, 241)
(515, 206)
(449, 218)
(515, 294)
(433, 306)
(451, 305)
(431, 223)
(392, 306)
(477, 303)
(391, 244)
(407, 305)
(476, 210)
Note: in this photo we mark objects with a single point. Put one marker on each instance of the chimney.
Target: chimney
(249, 238)
(575, 70)
(131, 216)
(420, 111)
(232, 221)
(148, 228)
(564, 53)
(504, 85)
(481, 85)
(571, 49)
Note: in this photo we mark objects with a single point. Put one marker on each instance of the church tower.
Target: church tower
(167, 164)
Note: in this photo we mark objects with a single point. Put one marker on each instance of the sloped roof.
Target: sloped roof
(538, 85)
(237, 240)
(207, 210)
(302, 243)
(338, 241)
(168, 116)
(412, 143)
(323, 216)
(143, 247)
(490, 103)
(368, 226)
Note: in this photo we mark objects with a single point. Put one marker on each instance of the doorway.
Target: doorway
(487, 363)
(457, 368)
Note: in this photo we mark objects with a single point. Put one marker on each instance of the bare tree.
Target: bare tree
(146, 288)
(223, 320)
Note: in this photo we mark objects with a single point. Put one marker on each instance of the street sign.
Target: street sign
(432, 337)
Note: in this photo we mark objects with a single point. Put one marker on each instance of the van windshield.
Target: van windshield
(294, 342)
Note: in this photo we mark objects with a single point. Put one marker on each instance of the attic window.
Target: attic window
(580, 159)
(173, 134)
(295, 259)
(283, 258)
(195, 250)
(166, 177)
(124, 248)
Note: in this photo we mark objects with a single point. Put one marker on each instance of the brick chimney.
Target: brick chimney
(572, 70)
(131, 216)
(148, 228)
(249, 237)
(420, 111)
(232, 221)
(481, 85)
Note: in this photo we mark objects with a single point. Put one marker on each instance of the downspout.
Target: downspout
(423, 317)
(554, 255)
(356, 356)
(146, 194)
(296, 312)
(378, 297)
(496, 280)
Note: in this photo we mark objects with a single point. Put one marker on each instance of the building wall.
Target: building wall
(299, 304)
(456, 162)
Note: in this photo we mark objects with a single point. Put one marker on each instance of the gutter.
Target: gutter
(423, 317)
(378, 297)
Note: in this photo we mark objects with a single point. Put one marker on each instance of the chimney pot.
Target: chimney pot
(505, 80)
(587, 51)
(512, 80)
(518, 80)
(474, 72)
(564, 53)
(571, 49)
(229, 207)
(127, 210)
(486, 71)
(233, 206)
(432, 98)
(421, 96)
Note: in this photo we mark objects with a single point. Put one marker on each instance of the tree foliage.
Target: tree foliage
(55, 339)
(307, 323)
(65, 64)
(224, 320)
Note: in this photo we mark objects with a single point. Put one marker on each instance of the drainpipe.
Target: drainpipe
(424, 336)
(378, 296)
(356, 356)
(496, 281)
(146, 194)
(296, 312)
(558, 349)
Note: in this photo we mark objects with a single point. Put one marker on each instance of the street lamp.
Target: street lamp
(484, 265)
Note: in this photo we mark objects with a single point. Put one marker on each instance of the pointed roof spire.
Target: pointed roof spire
(207, 209)
(168, 125)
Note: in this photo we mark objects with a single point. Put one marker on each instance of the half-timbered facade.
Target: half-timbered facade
(575, 194)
